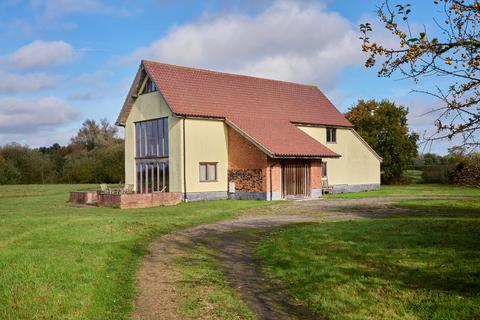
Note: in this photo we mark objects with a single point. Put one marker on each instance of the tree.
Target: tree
(102, 165)
(97, 154)
(384, 127)
(26, 165)
(93, 135)
(451, 52)
(8, 173)
(56, 154)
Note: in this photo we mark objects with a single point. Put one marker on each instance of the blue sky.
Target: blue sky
(62, 61)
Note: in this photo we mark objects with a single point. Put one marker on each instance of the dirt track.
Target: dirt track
(158, 280)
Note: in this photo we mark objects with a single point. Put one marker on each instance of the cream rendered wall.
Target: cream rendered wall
(206, 141)
(357, 164)
(151, 106)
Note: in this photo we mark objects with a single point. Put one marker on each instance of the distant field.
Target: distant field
(420, 266)
(413, 176)
(59, 261)
(412, 190)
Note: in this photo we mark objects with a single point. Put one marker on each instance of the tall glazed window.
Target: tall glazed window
(151, 155)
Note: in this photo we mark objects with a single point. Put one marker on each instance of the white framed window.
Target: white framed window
(208, 171)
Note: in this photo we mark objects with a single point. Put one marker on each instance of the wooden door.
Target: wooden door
(295, 179)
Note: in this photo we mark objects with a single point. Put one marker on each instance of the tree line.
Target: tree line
(94, 155)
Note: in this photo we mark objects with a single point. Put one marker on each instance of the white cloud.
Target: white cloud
(29, 116)
(290, 41)
(41, 54)
(13, 83)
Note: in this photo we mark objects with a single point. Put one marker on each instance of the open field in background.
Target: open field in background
(413, 190)
(80, 263)
(413, 176)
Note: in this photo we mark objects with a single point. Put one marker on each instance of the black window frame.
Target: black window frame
(324, 169)
(149, 86)
(151, 155)
(331, 135)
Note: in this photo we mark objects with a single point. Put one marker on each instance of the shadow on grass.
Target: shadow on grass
(421, 264)
(228, 259)
(454, 208)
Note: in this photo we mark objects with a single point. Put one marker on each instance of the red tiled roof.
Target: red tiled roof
(262, 109)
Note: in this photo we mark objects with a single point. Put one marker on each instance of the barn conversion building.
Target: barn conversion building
(214, 135)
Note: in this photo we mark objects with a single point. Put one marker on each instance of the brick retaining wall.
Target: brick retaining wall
(146, 200)
(85, 197)
(127, 201)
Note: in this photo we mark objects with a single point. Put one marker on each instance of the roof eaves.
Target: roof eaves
(127, 105)
(305, 156)
(311, 124)
(197, 116)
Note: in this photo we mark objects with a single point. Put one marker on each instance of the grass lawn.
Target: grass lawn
(418, 267)
(412, 190)
(59, 261)
(208, 295)
(413, 176)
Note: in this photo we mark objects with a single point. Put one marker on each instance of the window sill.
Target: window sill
(208, 181)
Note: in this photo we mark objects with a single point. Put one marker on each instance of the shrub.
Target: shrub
(440, 173)
(467, 172)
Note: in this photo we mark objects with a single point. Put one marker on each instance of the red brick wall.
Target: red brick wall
(246, 163)
(242, 154)
(276, 176)
(150, 199)
(129, 200)
(87, 197)
(109, 200)
(316, 174)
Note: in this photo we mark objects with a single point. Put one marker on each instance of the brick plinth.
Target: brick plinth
(86, 197)
(127, 201)
(146, 200)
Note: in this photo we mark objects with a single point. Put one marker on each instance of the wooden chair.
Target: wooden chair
(127, 189)
(104, 189)
(326, 188)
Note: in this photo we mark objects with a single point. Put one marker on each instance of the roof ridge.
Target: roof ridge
(230, 74)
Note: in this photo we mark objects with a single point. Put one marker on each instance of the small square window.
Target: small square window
(332, 135)
(208, 171)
